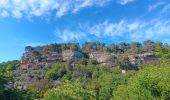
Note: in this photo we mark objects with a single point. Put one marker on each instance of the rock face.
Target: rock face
(36, 57)
(103, 58)
(69, 55)
(142, 58)
(36, 61)
(100, 57)
(28, 60)
(45, 56)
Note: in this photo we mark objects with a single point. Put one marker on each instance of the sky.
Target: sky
(40, 22)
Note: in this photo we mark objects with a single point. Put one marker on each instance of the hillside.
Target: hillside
(92, 71)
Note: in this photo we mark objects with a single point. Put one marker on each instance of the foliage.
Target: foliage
(98, 80)
(55, 72)
(7, 74)
(69, 91)
(149, 45)
(148, 84)
(17, 94)
(92, 46)
(39, 88)
(123, 46)
(163, 53)
(7, 68)
(88, 80)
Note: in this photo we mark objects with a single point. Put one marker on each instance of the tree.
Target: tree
(100, 46)
(56, 71)
(123, 46)
(17, 94)
(124, 63)
(7, 73)
(39, 87)
(148, 84)
(162, 52)
(70, 46)
(113, 48)
(69, 91)
(3, 81)
(135, 47)
(28, 48)
(148, 45)
(7, 69)
(92, 46)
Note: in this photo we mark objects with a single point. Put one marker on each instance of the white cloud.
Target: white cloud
(124, 2)
(79, 4)
(155, 6)
(31, 8)
(20, 8)
(166, 9)
(133, 30)
(167, 41)
(4, 13)
(153, 29)
(113, 29)
(67, 35)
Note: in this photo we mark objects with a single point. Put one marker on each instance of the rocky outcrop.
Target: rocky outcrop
(37, 60)
(29, 60)
(103, 58)
(69, 55)
(142, 58)
(45, 56)
(100, 57)
(37, 57)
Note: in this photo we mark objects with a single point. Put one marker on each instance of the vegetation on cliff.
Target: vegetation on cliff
(129, 71)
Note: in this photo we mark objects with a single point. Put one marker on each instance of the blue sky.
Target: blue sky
(39, 22)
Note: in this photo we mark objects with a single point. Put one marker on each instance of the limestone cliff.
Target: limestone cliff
(43, 58)
(142, 58)
(69, 55)
(37, 60)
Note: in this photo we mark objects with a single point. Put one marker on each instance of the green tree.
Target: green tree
(17, 94)
(7, 69)
(7, 74)
(135, 47)
(163, 53)
(148, 45)
(124, 46)
(56, 71)
(113, 48)
(69, 91)
(148, 84)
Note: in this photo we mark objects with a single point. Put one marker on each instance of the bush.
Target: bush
(69, 91)
(56, 71)
(148, 84)
(16, 94)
